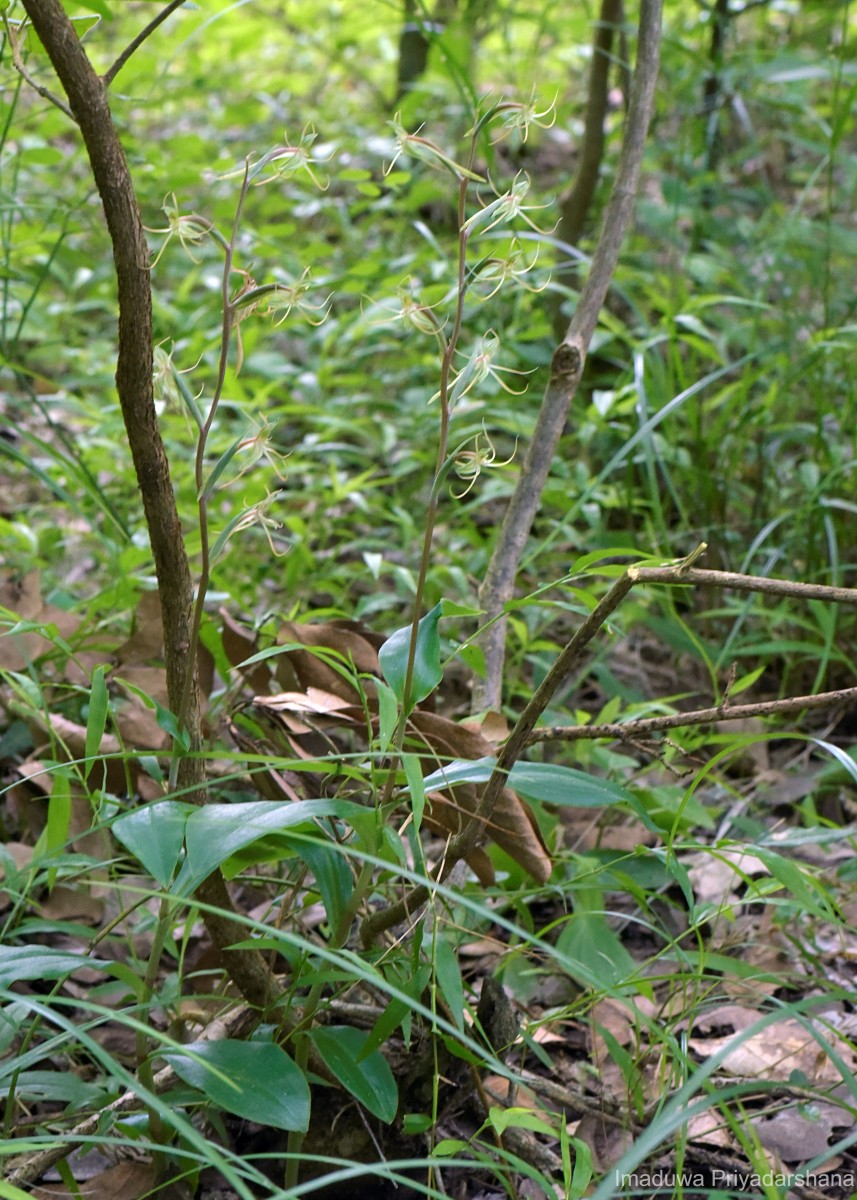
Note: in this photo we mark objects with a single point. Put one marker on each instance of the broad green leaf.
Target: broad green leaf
(215, 832)
(165, 719)
(397, 1011)
(842, 757)
(61, 1087)
(154, 834)
(518, 1118)
(416, 787)
(477, 770)
(59, 819)
(223, 462)
(549, 782)
(8, 1191)
(97, 717)
(452, 608)
(254, 1080)
(473, 656)
(388, 715)
(589, 941)
(582, 1164)
(449, 979)
(555, 784)
(393, 658)
(369, 1079)
(331, 874)
(414, 1123)
(804, 888)
(39, 962)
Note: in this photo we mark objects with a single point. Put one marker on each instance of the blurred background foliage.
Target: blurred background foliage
(719, 398)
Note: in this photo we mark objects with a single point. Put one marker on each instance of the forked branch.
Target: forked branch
(523, 734)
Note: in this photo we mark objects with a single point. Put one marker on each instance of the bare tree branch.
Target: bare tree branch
(568, 360)
(575, 206)
(13, 33)
(522, 735)
(113, 70)
(631, 730)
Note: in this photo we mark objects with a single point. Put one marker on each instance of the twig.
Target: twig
(18, 63)
(568, 361)
(574, 208)
(744, 583)
(701, 716)
(114, 69)
(521, 736)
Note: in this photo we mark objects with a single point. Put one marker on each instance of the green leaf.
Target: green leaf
(8, 1191)
(449, 979)
(397, 1011)
(414, 1123)
(38, 962)
(96, 718)
(254, 1080)
(416, 787)
(154, 834)
(61, 1087)
(331, 874)
(537, 781)
(518, 1118)
(370, 1080)
(808, 891)
(222, 463)
(164, 718)
(566, 786)
(842, 757)
(393, 657)
(593, 952)
(215, 832)
(388, 715)
(582, 1173)
(59, 819)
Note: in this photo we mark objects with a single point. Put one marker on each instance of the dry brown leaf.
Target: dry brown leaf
(21, 856)
(715, 876)
(127, 1181)
(314, 702)
(23, 596)
(512, 824)
(774, 1052)
(239, 644)
(311, 669)
(500, 1089)
(709, 1127)
(147, 639)
(493, 727)
(801, 1132)
(607, 1142)
(135, 720)
(72, 904)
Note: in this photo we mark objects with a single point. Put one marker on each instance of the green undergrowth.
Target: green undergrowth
(670, 914)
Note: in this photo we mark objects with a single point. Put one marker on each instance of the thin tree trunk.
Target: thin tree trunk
(87, 97)
(568, 360)
(576, 206)
(413, 50)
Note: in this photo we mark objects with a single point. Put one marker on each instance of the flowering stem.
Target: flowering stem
(202, 441)
(442, 466)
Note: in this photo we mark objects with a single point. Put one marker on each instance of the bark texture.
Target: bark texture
(87, 97)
